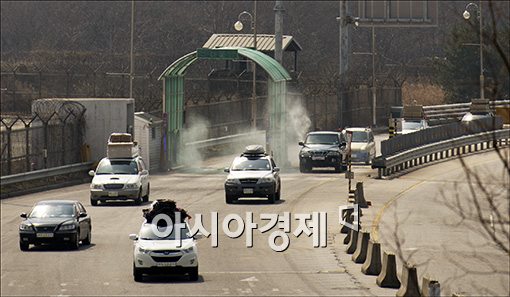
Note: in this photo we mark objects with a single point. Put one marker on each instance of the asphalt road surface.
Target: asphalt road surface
(105, 267)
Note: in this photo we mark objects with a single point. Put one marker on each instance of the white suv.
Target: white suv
(163, 255)
(120, 179)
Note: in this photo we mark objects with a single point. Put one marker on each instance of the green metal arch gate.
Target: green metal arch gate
(173, 98)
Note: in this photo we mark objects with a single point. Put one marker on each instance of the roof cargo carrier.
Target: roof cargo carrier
(164, 206)
(254, 150)
(120, 146)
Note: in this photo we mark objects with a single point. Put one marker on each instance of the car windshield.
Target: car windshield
(117, 167)
(52, 211)
(412, 125)
(322, 139)
(359, 136)
(147, 232)
(244, 163)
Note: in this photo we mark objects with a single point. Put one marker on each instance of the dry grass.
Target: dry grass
(423, 93)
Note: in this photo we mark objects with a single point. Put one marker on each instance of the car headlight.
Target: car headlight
(96, 186)
(333, 153)
(67, 227)
(131, 186)
(233, 181)
(26, 227)
(143, 251)
(188, 250)
(304, 154)
(266, 179)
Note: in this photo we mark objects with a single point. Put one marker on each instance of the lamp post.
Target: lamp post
(239, 26)
(466, 16)
(372, 53)
(131, 61)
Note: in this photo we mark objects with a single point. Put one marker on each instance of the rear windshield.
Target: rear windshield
(322, 139)
(117, 167)
(359, 136)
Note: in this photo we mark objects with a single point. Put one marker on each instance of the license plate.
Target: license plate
(317, 158)
(166, 264)
(44, 235)
(248, 191)
(113, 194)
(353, 155)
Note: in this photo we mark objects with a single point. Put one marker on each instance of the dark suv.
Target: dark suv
(322, 149)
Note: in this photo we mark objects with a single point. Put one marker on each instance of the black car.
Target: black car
(322, 149)
(55, 221)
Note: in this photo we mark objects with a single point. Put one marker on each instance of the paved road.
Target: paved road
(105, 268)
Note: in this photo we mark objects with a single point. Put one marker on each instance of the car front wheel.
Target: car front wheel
(146, 197)
(87, 240)
(229, 198)
(193, 274)
(23, 246)
(279, 193)
(272, 198)
(93, 202)
(137, 274)
(138, 200)
(76, 242)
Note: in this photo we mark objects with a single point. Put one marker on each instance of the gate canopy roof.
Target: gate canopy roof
(265, 42)
(270, 65)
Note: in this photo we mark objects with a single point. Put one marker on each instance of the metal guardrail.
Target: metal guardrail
(434, 134)
(457, 110)
(448, 148)
(226, 139)
(37, 180)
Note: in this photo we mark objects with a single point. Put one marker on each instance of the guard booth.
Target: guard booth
(173, 99)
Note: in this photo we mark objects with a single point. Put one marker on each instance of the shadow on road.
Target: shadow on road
(122, 204)
(58, 248)
(255, 201)
(171, 279)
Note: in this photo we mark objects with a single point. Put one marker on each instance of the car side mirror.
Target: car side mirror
(133, 236)
(276, 169)
(226, 169)
(82, 214)
(145, 172)
(23, 215)
(92, 173)
(301, 143)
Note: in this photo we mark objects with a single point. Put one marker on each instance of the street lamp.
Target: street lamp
(374, 94)
(466, 16)
(239, 26)
(131, 61)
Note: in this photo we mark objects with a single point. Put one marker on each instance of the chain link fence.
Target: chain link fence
(48, 138)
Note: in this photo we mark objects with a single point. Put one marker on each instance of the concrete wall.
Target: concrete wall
(103, 117)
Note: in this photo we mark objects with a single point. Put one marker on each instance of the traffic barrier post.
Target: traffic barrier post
(409, 285)
(372, 265)
(388, 276)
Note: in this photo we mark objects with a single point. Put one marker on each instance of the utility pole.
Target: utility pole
(131, 62)
(343, 51)
(278, 31)
(374, 95)
(254, 87)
